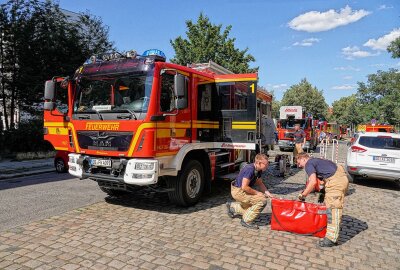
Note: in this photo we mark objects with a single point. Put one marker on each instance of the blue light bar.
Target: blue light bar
(154, 52)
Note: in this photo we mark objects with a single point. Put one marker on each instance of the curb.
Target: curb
(5, 177)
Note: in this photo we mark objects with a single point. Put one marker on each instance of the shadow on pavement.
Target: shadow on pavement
(351, 226)
(376, 183)
(33, 180)
(147, 199)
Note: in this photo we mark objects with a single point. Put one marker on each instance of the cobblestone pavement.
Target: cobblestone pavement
(147, 233)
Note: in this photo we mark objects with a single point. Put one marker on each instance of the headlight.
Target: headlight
(144, 166)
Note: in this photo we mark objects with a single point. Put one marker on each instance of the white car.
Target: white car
(374, 155)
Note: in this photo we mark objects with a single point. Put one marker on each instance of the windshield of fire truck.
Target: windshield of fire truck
(113, 93)
(289, 123)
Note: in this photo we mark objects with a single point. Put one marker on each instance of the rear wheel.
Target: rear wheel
(188, 185)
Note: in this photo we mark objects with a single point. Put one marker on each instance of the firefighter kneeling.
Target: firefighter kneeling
(336, 184)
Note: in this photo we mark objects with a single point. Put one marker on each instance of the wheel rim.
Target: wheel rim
(193, 183)
(60, 166)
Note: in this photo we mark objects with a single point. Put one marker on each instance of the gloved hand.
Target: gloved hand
(301, 197)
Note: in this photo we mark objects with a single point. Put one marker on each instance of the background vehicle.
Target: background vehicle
(374, 155)
(61, 161)
(375, 128)
(288, 117)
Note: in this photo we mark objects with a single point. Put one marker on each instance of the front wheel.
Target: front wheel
(60, 165)
(188, 185)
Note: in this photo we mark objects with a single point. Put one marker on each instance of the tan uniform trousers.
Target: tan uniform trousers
(249, 206)
(335, 189)
(297, 150)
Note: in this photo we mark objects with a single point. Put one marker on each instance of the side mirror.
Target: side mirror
(180, 85)
(48, 105)
(49, 90)
(180, 90)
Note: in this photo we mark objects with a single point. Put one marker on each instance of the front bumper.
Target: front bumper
(140, 172)
(290, 144)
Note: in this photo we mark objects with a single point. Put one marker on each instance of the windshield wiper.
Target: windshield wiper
(123, 116)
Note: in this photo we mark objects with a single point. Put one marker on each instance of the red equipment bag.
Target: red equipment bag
(299, 217)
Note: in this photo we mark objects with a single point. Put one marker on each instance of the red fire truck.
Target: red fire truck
(288, 117)
(136, 120)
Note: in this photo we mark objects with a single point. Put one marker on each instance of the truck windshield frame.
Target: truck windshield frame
(106, 95)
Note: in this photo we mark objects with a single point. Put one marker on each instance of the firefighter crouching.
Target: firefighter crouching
(336, 184)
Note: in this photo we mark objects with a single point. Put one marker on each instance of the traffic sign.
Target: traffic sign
(373, 122)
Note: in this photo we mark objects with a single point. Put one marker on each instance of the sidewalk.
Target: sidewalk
(12, 169)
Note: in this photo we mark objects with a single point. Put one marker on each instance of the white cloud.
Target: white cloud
(377, 65)
(347, 77)
(347, 68)
(307, 42)
(278, 87)
(381, 7)
(315, 21)
(383, 42)
(344, 87)
(351, 53)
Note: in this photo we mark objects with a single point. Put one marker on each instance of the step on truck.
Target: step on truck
(132, 121)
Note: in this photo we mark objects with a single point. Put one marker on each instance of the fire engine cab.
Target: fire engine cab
(288, 117)
(135, 120)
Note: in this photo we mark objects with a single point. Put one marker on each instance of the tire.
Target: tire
(281, 149)
(356, 178)
(113, 192)
(188, 186)
(60, 165)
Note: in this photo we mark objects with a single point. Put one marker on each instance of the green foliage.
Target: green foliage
(205, 42)
(380, 97)
(39, 42)
(305, 95)
(394, 48)
(276, 104)
(27, 138)
(346, 111)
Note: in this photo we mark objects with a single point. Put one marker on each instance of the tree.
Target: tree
(380, 97)
(305, 95)
(205, 42)
(38, 42)
(394, 48)
(346, 110)
(276, 104)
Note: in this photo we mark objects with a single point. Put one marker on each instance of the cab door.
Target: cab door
(174, 130)
(55, 126)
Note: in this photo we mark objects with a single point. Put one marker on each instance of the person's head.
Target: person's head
(297, 126)
(302, 159)
(261, 162)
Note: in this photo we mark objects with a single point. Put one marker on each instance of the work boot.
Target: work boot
(249, 225)
(326, 243)
(230, 211)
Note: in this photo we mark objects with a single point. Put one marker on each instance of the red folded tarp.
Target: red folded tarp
(298, 217)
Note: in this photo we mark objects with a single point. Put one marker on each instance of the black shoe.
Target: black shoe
(326, 243)
(249, 225)
(230, 211)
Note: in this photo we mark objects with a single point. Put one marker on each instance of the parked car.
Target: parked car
(374, 155)
(61, 161)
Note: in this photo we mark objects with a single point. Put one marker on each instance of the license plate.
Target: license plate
(101, 162)
(383, 159)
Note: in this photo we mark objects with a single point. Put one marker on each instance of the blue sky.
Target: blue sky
(334, 44)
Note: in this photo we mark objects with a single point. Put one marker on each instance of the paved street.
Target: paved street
(145, 232)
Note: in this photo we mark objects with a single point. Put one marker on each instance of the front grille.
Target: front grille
(103, 140)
